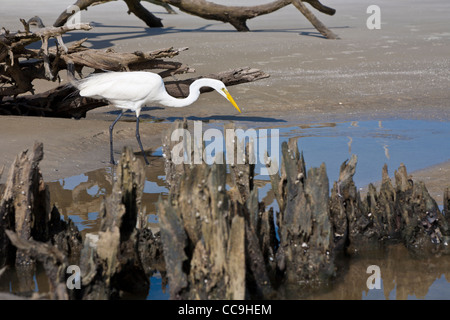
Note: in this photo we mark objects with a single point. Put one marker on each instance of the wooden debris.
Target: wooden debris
(134, 6)
(237, 16)
(19, 66)
(446, 210)
(327, 33)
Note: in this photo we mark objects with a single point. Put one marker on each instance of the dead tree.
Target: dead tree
(237, 16)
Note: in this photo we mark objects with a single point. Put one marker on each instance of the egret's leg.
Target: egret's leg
(111, 127)
(138, 137)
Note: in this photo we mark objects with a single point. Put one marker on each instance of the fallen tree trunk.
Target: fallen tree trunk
(237, 16)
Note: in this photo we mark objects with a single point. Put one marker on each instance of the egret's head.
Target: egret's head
(219, 86)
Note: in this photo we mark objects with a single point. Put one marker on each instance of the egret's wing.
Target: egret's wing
(124, 86)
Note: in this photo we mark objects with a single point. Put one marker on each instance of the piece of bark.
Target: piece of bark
(306, 251)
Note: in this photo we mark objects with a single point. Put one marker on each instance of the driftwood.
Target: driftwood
(16, 76)
(134, 7)
(17, 71)
(236, 16)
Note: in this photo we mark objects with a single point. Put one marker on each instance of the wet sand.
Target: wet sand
(400, 71)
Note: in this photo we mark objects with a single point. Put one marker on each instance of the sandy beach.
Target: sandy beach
(399, 72)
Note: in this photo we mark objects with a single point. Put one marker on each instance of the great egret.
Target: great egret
(133, 90)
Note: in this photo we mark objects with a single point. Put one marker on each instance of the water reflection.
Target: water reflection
(79, 197)
(403, 276)
(416, 143)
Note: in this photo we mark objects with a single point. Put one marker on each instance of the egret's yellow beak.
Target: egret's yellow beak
(230, 98)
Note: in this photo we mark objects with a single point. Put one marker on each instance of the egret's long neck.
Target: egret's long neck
(194, 92)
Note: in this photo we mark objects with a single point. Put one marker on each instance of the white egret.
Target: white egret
(133, 90)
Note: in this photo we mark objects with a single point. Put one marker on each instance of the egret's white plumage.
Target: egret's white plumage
(133, 90)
